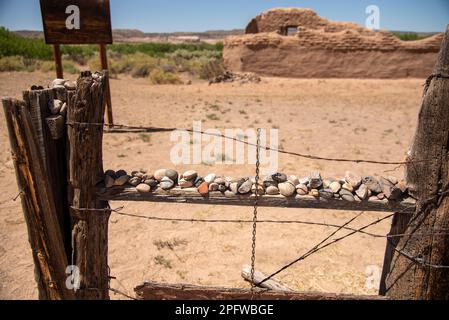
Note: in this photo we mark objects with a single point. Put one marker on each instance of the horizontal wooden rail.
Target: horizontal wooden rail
(192, 196)
(158, 291)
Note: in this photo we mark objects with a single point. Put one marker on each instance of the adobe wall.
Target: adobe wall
(323, 49)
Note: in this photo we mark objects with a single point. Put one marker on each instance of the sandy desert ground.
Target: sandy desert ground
(372, 119)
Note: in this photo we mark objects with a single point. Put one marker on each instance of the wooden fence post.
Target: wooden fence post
(413, 266)
(90, 227)
(38, 204)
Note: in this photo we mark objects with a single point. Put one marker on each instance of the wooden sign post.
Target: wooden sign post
(78, 22)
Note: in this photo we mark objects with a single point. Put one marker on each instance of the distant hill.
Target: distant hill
(134, 35)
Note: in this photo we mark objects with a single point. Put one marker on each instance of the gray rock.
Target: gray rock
(122, 180)
(362, 192)
(151, 182)
(108, 181)
(213, 186)
(159, 174)
(353, 179)
(172, 174)
(335, 186)
(121, 173)
(143, 188)
(372, 184)
(272, 191)
(269, 181)
(326, 193)
(190, 175)
(55, 106)
(287, 189)
(234, 187)
(302, 189)
(167, 183)
(185, 183)
(210, 178)
(279, 177)
(220, 180)
(245, 187)
(222, 188)
(135, 181)
(110, 173)
(315, 180)
(347, 195)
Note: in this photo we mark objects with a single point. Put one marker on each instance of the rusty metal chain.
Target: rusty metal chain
(256, 200)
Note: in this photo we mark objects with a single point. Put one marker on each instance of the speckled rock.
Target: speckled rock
(372, 184)
(269, 181)
(287, 189)
(326, 193)
(220, 180)
(279, 177)
(135, 181)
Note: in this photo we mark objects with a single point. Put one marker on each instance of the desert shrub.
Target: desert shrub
(409, 36)
(13, 63)
(159, 76)
(16, 63)
(68, 67)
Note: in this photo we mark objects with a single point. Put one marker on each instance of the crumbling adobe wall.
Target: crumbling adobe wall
(323, 49)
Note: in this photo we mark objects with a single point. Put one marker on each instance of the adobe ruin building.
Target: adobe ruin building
(299, 43)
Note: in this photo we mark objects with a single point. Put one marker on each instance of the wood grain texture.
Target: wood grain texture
(95, 22)
(38, 204)
(159, 291)
(90, 228)
(407, 279)
(53, 152)
(191, 195)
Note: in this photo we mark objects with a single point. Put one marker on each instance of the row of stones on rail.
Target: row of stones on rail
(352, 187)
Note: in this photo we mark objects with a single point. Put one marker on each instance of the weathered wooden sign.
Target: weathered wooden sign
(76, 21)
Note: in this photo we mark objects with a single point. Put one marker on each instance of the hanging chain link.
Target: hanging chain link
(253, 253)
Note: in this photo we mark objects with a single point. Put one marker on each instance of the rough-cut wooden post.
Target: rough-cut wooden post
(413, 272)
(38, 204)
(90, 227)
(53, 152)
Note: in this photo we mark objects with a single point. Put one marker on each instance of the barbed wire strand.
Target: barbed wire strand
(121, 128)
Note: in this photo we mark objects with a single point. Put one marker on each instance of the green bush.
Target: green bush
(159, 76)
(13, 63)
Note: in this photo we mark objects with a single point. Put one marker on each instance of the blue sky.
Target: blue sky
(201, 15)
